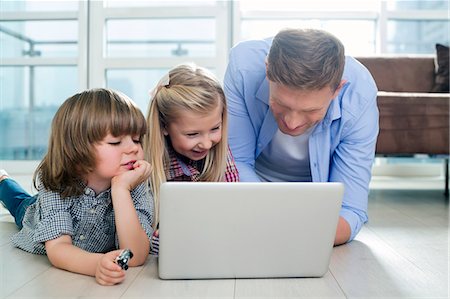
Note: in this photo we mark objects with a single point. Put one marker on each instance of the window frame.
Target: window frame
(91, 15)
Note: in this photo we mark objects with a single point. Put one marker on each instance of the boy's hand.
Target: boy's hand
(130, 179)
(108, 272)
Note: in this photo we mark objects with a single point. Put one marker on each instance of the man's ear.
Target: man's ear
(338, 89)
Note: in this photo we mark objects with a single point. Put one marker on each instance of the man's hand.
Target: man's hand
(343, 232)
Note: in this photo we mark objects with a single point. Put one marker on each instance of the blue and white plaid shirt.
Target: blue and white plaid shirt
(88, 219)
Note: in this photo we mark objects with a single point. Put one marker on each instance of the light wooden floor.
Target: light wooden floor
(403, 252)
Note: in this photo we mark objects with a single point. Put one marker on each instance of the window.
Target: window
(41, 62)
(143, 41)
(52, 49)
(364, 27)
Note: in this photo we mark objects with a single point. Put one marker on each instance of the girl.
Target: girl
(90, 199)
(187, 138)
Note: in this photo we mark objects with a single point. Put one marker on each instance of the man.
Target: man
(299, 110)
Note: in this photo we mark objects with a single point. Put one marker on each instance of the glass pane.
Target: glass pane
(362, 31)
(118, 3)
(137, 84)
(416, 37)
(161, 37)
(38, 39)
(33, 5)
(30, 97)
(418, 4)
(289, 5)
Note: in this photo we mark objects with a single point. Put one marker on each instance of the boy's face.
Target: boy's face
(298, 110)
(193, 135)
(115, 155)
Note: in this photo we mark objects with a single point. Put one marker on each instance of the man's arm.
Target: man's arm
(351, 164)
(241, 134)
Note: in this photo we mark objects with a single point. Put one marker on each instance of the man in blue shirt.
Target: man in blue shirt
(300, 110)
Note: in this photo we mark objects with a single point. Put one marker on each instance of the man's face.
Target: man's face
(298, 110)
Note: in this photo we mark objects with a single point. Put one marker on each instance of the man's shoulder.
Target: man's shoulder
(358, 76)
(250, 52)
(359, 92)
(253, 45)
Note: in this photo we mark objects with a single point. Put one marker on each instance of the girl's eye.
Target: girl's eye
(216, 128)
(191, 134)
(114, 143)
(137, 141)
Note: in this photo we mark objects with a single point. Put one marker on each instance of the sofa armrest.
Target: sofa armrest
(413, 123)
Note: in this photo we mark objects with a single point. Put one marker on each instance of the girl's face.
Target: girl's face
(115, 155)
(193, 134)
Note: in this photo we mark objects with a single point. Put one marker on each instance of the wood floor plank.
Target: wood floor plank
(415, 225)
(57, 283)
(148, 285)
(402, 252)
(368, 267)
(17, 268)
(426, 206)
(324, 287)
(7, 228)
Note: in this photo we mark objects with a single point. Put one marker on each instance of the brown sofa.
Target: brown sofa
(412, 119)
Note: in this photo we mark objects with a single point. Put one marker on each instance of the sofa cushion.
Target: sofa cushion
(413, 123)
(401, 73)
(441, 80)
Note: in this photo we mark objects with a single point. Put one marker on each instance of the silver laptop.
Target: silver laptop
(247, 230)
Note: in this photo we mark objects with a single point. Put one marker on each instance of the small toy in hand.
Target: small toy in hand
(123, 258)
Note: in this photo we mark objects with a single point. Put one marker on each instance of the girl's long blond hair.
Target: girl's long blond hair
(187, 88)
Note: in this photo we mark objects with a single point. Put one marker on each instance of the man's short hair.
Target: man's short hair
(308, 59)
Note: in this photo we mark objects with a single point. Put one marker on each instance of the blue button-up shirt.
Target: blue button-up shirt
(342, 145)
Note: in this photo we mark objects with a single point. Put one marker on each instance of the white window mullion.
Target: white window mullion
(382, 29)
(83, 34)
(96, 42)
(39, 16)
(236, 22)
(222, 38)
(152, 63)
(162, 12)
(39, 61)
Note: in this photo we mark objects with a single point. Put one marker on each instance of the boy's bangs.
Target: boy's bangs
(128, 122)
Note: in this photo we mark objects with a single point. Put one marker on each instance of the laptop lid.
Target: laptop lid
(247, 230)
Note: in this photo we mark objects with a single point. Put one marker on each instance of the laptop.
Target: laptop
(247, 230)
